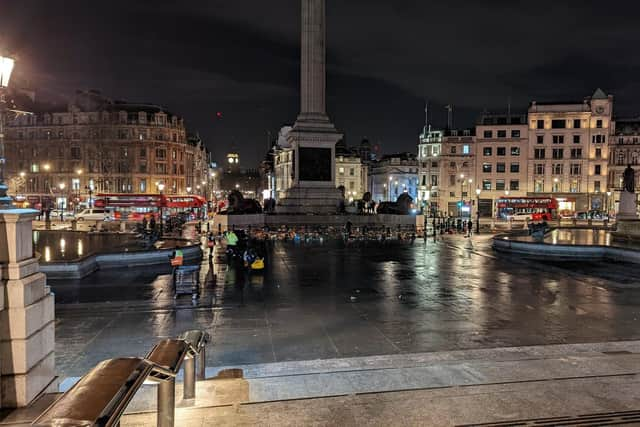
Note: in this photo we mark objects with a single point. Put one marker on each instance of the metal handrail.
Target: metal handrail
(101, 396)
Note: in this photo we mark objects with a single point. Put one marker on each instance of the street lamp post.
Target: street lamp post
(61, 187)
(6, 67)
(478, 191)
(77, 205)
(161, 189)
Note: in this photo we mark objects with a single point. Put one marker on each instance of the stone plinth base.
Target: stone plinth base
(628, 206)
(27, 364)
(627, 229)
(310, 200)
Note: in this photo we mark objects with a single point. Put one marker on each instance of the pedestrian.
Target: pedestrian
(152, 223)
(61, 215)
(211, 243)
(469, 227)
(144, 223)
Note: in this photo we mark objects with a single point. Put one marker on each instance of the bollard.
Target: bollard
(202, 364)
(189, 391)
(166, 403)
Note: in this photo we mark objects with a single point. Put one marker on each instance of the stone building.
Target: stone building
(351, 171)
(429, 150)
(393, 175)
(568, 151)
(501, 159)
(456, 191)
(100, 145)
(624, 149)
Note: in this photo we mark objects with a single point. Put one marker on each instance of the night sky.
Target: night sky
(385, 58)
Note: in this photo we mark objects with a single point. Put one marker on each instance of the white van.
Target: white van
(521, 216)
(95, 214)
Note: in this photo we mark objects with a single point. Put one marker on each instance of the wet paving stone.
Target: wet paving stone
(453, 294)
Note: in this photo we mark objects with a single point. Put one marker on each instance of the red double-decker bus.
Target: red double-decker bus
(532, 208)
(135, 206)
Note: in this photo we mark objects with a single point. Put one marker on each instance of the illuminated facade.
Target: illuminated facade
(393, 175)
(569, 150)
(501, 159)
(100, 145)
(624, 149)
(429, 150)
(457, 173)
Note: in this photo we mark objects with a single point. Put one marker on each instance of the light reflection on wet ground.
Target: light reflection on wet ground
(339, 301)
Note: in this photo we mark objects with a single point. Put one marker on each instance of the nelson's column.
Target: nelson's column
(313, 137)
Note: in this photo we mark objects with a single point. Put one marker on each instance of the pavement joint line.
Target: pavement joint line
(415, 366)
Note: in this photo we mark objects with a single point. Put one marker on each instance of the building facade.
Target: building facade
(100, 145)
(393, 175)
(429, 150)
(456, 192)
(351, 171)
(501, 160)
(624, 150)
(568, 152)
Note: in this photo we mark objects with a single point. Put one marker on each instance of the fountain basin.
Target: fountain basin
(76, 254)
(569, 244)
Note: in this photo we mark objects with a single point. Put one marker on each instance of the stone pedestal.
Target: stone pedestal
(310, 200)
(628, 209)
(26, 315)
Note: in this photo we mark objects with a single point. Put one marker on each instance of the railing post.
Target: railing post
(189, 391)
(166, 403)
(202, 363)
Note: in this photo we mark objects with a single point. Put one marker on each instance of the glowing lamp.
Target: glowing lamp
(6, 67)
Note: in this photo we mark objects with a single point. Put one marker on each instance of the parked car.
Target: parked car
(95, 214)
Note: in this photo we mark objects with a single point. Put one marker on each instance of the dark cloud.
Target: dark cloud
(385, 59)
